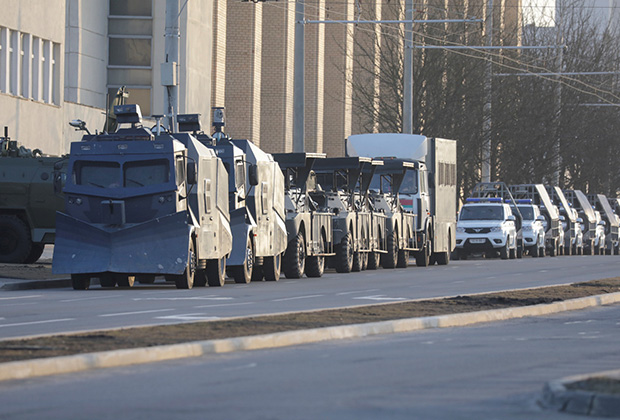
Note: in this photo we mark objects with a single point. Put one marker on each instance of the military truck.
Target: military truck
(429, 192)
(569, 223)
(578, 200)
(256, 202)
(343, 195)
(309, 230)
(400, 232)
(554, 238)
(137, 207)
(601, 204)
(28, 203)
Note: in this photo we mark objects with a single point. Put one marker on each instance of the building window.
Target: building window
(29, 66)
(130, 36)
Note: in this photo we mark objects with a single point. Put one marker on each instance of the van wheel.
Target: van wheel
(344, 254)
(216, 272)
(15, 242)
(294, 262)
(505, 251)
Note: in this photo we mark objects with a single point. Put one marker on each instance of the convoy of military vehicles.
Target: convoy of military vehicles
(136, 204)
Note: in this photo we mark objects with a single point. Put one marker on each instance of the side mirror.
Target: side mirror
(511, 218)
(191, 173)
(562, 218)
(540, 218)
(579, 220)
(602, 223)
(253, 175)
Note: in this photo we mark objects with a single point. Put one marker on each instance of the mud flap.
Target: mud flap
(158, 246)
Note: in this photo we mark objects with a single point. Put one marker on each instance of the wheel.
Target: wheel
(186, 280)
(272, 267)
(145, 278)
(15, 242)
(403, 259)
(520, 252)
(390, 259)
(35, 253)
(80, 281)
(200, 279)
(294, 263)
(315, 265)
(373, 260)
(364, 261)
(107, 280)
(503, 253)
(541, 251)
(243, 273)
(423, 257)
(216, 272)
(462, 254)
(358, 261)
(512, 253)
(443, 258)
(257, 272)
(344, 254)
(568, 250)
(126, 281)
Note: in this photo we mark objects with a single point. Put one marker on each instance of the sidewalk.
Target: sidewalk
(33, 276)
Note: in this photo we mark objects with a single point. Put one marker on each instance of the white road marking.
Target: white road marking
(458, 281)
(47, 321)
(579, 322)
(20, 297)
(224, 304)
(189, 317)
(297, 298)
(136, 313)
(212, 297)
(379, 297)
(355, 292)
(248, 366)
(543, 271)
(90, 298)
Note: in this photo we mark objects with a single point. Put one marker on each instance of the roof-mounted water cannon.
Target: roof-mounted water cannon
(129, 114)
(189, 123)
(79, 125)
(218, 123)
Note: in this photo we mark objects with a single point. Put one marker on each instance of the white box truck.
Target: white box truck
(429, 192)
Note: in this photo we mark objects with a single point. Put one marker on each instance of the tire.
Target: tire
(390, 259)
(145, 278)
(443, 258)
(358, 262)
(243, 273)
(107, 280)
(216, 272)
(125, 281)
(364, 261)
(315, 265)
(200, 279)
(15, 242)
(272, 267)
(344, 254)
(505, 251)
(403, 259)
(520, 252)
(80, 281)
(35, 253)
(568, 251)
(294, 263)
(423, 258)
(186, 280)
(373, 260)
(512, 253)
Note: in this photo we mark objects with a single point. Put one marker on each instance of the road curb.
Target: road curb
(557, 396)
(117, 358)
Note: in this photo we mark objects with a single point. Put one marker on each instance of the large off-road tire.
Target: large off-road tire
(344, 254)
(80, 281)
(15, 242)
(423, 257)
(390, 259)
(443, 258)
(272, 267)
(294, 262)
(315, 265)
(186, 280)
(358, 262)
(373, 260)
(402, 260)
(35, 253)
(505, 251)
(243, 273)
(216, 272)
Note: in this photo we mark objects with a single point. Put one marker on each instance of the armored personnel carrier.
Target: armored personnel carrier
(138, 206)
(28, 203)
(309, 229)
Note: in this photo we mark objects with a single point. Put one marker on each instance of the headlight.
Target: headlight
(496, 229)
(460, 229)
(527, 228)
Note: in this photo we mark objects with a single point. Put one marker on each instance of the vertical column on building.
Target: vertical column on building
(26, 88)
(314, 80)
(338, 77)
(366, 77)
(278, 43)
(243, 70)
(218, 71)
(4, 60)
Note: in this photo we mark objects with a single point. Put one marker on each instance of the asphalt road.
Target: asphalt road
(490, 371)
(48, 311)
